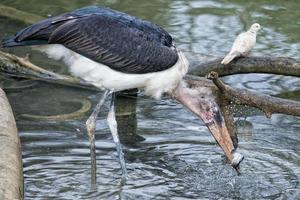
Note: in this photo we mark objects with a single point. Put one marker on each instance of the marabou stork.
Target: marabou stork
(115, 51)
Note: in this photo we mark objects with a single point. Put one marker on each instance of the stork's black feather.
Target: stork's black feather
(120, 41)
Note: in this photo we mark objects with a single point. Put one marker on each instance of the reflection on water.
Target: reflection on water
(169, 152)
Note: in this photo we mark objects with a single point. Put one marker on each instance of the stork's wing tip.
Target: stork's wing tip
(8, 42)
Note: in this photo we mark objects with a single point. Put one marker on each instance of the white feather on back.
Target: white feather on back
(154, 84)
(244, 43)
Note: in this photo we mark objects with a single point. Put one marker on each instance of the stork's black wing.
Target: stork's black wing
(122, 42)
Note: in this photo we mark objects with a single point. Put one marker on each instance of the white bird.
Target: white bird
(242, 44)
(115, 52)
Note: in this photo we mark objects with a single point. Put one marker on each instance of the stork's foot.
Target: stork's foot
(91, 126)
(112, 123)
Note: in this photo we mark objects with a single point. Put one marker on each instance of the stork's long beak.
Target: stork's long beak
(202, 103)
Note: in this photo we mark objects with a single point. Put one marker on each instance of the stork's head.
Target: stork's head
(202, 103)
(255, 28)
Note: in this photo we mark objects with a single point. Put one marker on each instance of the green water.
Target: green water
(169, 153)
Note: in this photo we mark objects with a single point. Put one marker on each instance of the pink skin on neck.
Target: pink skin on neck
(204, 106)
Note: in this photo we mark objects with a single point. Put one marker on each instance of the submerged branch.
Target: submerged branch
(15, 14)
(21, 67)
(85, 107)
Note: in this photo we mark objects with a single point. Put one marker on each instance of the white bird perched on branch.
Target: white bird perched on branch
(242, 44)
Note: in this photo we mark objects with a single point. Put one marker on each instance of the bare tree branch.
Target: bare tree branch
(268, 65)
(266, 103)
(14, 65)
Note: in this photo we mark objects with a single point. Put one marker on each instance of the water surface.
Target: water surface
(169, 153)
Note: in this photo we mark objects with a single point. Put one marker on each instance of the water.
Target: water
(170, 154)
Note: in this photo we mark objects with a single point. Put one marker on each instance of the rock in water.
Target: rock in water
(242, 44)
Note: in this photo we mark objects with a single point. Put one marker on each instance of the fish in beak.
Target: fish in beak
(202, 103)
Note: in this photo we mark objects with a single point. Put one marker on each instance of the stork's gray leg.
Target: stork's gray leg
(91, 126)
(112, 123)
